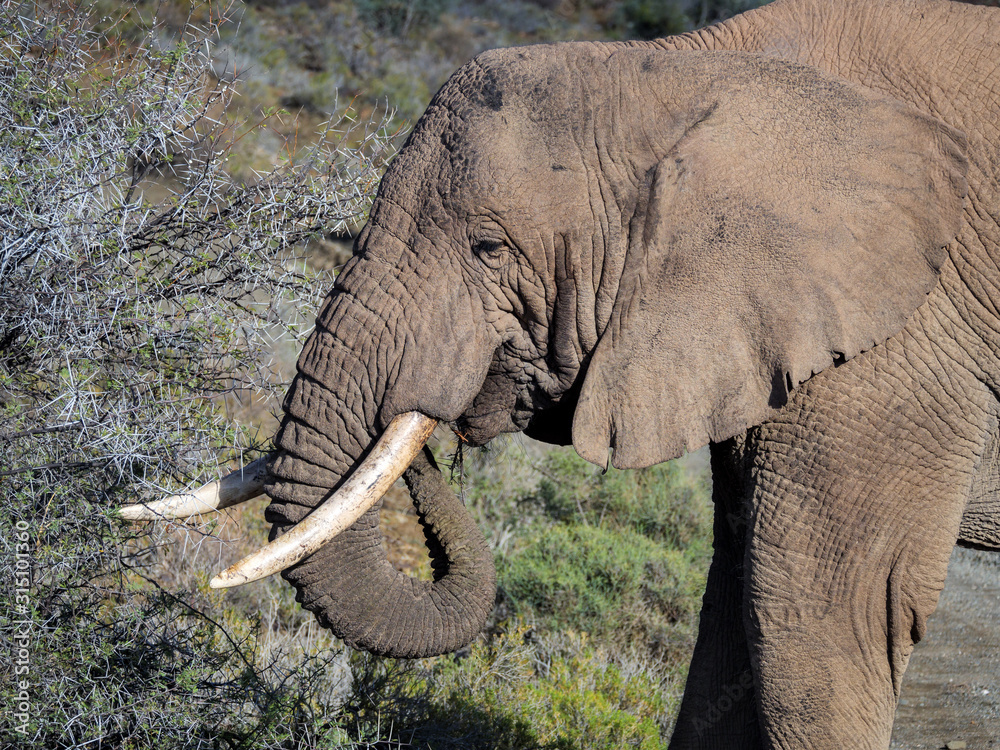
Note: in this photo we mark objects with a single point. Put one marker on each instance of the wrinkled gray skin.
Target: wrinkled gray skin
(779, 234)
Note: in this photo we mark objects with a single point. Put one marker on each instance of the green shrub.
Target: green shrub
(517, 691)
(609, 582)
(663, 502)
(586, 702)
(621, 555)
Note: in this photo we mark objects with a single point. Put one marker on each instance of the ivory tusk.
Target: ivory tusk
(242, 485)
(392, 454)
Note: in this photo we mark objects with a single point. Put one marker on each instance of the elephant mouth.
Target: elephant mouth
(385, 463)
(541, 406)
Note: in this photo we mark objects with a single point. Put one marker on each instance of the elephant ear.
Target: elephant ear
(798, 221)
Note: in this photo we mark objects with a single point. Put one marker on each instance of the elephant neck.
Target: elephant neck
(904, 48)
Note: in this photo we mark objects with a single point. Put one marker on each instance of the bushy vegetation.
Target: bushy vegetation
(519, 690)
(134, 314)
(616, 554)
(151, 304)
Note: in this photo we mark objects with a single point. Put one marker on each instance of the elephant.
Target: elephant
(778, 236)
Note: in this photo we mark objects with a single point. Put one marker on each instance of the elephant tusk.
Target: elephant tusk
(242, 485)
(392, 454)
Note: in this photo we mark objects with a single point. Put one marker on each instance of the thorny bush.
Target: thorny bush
(143, 293)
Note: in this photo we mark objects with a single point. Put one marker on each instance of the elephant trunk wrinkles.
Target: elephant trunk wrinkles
(331, 418)
(355, 591)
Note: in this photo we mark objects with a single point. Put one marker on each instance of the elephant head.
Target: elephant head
(624, 248)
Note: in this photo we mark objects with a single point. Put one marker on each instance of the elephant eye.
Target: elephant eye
(487, 247)
(488, 250)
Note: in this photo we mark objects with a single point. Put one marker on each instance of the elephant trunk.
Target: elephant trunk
(356, 592)
(332, 415)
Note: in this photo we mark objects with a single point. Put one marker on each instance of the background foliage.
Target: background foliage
(175, 185)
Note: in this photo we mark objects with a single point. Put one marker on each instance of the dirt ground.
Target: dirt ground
(951, 690)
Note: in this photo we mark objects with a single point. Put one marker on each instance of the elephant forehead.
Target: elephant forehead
(449, 156)
(498, 120)
(544, 80)
(516, 97)
(528, 191)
